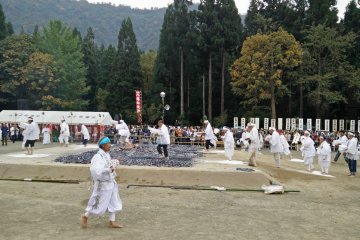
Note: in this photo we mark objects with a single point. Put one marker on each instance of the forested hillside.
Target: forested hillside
(105, 19)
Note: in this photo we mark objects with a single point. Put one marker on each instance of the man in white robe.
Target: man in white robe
(308, 151)
(285, 144)
(163, 140)
(105, 196)
(124, 132)
(209, 135)
(324, 155)
(254, 140)
(46, 134)
(229, 143)
(85, 134)
(64, 133)
(342, 140)
(352, 153)
(276, 147)
(32, 134)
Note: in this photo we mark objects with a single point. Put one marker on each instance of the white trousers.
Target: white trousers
(64, 138)
(104, 200)
(308, 161)
(277, 159)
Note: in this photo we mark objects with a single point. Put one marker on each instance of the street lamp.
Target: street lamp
(164, 107)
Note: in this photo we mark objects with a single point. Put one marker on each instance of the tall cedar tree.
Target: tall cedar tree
(351, 23)
(230, 33)
(90, 61)
(127, 77)
(210, 41)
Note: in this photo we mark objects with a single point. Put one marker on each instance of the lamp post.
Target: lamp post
(164, 107)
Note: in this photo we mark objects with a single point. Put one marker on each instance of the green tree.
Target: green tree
(41, 82)
(59, 41)
(209, 27)
(351, 23)
(326, 68)
(147, 62)
(107, 60)
(257, 74)
(90, 61)
(229, 40)
(6, 28)
(15, 51)
(322, 12)
(128, 76)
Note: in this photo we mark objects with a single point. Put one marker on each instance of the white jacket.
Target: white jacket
(209, 134)
(123, 129)
(164, 136)
(275, 143)
(308, 148)
(254, 138)
(351, 151)
(324, 152)
(85, 132)
(101, 172)
(228, 140)
(64, 129)
(32, 131)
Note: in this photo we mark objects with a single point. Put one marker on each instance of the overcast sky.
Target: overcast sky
(242, 5)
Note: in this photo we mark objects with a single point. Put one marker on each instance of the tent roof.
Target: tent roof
(54, 117)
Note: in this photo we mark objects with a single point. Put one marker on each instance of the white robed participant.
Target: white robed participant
(124, 132)
(286, 146)
(308, 151)
(163, 139)
(254, 140)
(105, 196)
(209, 135)
(46, 135)
(64, 133)
(324, 155)
(229, 143)
(352, 154)
(85, 135)
(31, 135)
(276, 147)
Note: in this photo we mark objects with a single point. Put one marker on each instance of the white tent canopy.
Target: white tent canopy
(55, 117)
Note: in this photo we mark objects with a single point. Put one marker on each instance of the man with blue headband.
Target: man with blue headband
(105, 196)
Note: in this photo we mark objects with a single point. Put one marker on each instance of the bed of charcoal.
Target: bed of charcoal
(179, 156)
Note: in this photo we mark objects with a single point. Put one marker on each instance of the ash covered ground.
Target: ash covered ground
(145, 155)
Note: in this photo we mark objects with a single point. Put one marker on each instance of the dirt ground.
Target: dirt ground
(326, 208)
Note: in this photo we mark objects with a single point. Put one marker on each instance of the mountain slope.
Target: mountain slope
(105, 19)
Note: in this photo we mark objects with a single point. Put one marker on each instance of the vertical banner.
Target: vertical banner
(358, 125)
(236, 122)
(273, 123)
(287, 124)
(309, 124)
(293, 124)
(280, 125)
(257, 123)
(334, 125)
(138, 99)
(317, 124)
(301, 124)
(352, 125)
(327, 125)
(243, 122)
(266, 123)
(341, 124)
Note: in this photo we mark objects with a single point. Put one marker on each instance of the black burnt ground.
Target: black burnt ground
(146, 155)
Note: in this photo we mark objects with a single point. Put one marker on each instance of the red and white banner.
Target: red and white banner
(138, 105)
